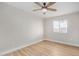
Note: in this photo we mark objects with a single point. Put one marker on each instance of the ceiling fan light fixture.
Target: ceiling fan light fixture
(45, 7)
(44, 10)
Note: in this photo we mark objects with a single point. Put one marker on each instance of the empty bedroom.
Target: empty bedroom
(39, 28)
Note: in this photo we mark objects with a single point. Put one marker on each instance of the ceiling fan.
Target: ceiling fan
(45, 6)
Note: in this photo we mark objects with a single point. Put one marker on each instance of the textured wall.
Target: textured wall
(18, 28)
(72, 36)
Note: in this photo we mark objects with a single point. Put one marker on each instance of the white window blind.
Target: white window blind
(60, 26)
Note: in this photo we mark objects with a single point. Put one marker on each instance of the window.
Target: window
(55, 26)
(60, 26)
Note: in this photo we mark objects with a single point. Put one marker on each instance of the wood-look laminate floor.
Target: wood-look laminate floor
(46, 48)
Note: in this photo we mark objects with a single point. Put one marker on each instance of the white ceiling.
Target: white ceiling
(62, 8)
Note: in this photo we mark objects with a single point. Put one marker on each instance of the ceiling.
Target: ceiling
(62, 8)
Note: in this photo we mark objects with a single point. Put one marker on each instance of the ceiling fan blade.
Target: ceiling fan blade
(37, 9)
(50, 3)
(50, 9)
(38, 4)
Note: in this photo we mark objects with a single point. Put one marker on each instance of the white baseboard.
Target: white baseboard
(70, 44)
(9, 51)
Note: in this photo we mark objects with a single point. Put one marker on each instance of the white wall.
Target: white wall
(18, 28)
(71, 37)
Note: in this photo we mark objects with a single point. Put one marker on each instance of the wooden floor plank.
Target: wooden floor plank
(46, 48)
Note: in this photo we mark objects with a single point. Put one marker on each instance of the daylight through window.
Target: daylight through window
(60, 26)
